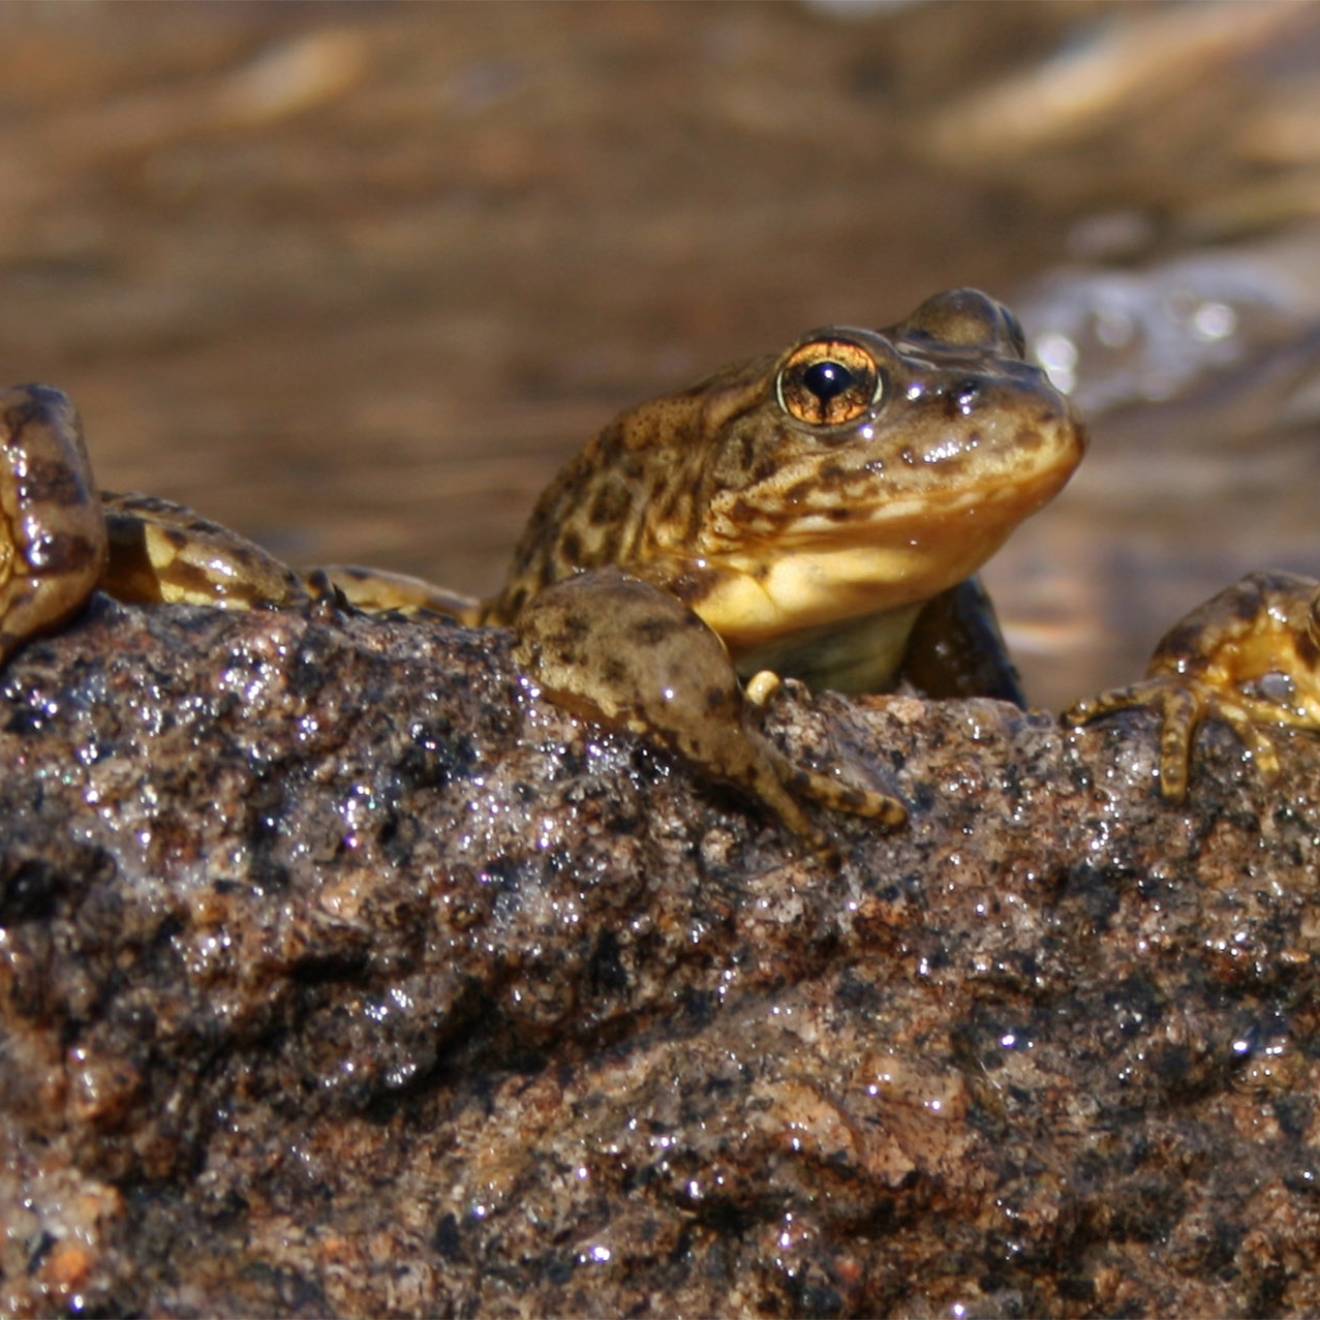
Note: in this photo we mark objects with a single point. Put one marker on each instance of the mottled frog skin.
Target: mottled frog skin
(1249, 656)
(815, 514)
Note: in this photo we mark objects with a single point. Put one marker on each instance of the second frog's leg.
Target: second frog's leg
(378, 590)
(164, 552)
(619, 651)
(1211, 665)
(52, 532)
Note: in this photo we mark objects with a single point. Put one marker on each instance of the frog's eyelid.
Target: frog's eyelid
(1003, 333)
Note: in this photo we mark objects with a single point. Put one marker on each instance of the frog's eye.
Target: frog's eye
(829, 382)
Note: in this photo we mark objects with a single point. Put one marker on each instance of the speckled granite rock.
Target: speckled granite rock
(339, 975)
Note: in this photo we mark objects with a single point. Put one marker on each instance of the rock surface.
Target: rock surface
(341, 975)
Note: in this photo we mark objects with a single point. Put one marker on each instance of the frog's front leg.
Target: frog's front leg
(955, 648)
(1250, 656)
(52, 532)
(621, 652)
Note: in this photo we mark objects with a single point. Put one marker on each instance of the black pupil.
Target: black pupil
(826, 380)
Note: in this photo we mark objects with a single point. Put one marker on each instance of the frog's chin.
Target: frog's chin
(892, 558)
(813, 588)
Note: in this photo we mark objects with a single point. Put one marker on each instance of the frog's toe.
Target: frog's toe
(1179, 709)
(1134, 695)
(886, 811)
(763, 687)
(1257, 742)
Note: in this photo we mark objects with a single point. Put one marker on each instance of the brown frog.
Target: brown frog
(1249, 656)
(815, 514)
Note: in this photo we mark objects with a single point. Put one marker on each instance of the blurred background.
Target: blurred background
(356, 279)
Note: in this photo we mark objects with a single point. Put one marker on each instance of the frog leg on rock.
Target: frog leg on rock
(52, 531)
(164, 553)
(621, 652)
(380, 591)
(1208, 665)
(60, 539)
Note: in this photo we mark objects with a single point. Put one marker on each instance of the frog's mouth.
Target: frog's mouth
(819, 568)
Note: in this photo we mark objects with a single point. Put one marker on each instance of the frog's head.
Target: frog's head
(869, 469)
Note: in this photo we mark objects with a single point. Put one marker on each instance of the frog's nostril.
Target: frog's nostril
(961, 396)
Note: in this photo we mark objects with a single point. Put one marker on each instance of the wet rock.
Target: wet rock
(340, 975)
